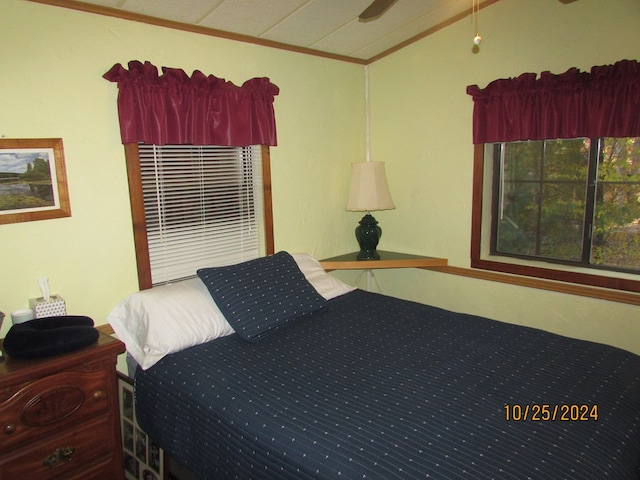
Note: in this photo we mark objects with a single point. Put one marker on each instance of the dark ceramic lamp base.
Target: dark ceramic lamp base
(368, 234)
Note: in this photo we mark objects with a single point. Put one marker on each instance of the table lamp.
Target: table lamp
(369, 192)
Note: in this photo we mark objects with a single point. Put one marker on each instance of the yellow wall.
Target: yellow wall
(51, 66)
(51, 63)
(422, 129)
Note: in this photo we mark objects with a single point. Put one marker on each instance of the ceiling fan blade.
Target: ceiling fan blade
(377, 8)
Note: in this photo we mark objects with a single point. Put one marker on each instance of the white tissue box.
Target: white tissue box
(54, 307)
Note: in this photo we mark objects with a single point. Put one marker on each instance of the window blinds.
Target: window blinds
(203, 207)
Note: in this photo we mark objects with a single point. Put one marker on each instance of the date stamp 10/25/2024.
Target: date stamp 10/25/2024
(533, 412)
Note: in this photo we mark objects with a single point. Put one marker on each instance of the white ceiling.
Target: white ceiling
(329, 26)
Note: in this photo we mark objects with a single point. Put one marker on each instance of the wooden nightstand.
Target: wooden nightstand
(350, 261)
(59, 415)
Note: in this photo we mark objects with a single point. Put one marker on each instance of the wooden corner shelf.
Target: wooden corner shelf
(349, 261)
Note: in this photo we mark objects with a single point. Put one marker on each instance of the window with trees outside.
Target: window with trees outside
(569, 201)
(556, 180)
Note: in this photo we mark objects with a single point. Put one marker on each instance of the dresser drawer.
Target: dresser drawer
(76, 451)
(105, 470)
(46, 404)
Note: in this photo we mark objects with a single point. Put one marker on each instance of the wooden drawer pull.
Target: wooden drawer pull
(98, 395)
(9, 428)
(59, 457)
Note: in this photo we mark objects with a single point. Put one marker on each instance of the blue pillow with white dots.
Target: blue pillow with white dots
(260, 296)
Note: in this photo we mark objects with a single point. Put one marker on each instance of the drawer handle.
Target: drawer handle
(59, 457)
(98, 395)
(9, 428)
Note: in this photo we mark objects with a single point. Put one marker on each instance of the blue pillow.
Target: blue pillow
(262, 295)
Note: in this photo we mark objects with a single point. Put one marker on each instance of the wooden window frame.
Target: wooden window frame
(555, 274)
(138, 215)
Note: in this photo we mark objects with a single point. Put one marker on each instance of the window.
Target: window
(556, 192)
(574, 201)
(194, 203)
(485, 223)
(196, 206)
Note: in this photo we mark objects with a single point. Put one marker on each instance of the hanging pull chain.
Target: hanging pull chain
(475, 12)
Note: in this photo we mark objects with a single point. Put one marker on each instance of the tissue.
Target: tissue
(43, 283)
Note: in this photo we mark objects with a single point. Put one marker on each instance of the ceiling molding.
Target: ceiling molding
(201, 30)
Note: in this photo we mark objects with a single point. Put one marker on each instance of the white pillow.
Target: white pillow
(166, 319)
(326, 285)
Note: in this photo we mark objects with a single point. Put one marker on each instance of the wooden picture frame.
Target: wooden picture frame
(33, 180)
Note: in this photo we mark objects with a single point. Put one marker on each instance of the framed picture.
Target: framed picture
(33, 180)
(143, 459)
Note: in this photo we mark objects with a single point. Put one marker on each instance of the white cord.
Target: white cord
(367, 115)
(370, 276)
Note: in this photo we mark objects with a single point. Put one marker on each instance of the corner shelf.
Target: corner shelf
(349, 261)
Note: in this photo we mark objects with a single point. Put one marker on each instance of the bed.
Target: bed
(343, 383)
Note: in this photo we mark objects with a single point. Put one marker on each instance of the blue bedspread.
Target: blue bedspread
(380, 388)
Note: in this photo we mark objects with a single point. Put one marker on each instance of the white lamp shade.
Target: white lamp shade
(369, 190)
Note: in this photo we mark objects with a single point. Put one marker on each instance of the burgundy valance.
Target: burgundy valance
(602, 103)
(176, 109)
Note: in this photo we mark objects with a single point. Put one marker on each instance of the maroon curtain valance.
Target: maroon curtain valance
(176, 109)
(602, 103)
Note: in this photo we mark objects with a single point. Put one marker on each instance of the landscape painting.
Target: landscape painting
(33, 184)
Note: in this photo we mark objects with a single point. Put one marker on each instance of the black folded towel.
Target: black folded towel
(47, 336)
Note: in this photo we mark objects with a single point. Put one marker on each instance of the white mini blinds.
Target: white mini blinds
(203, 207)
